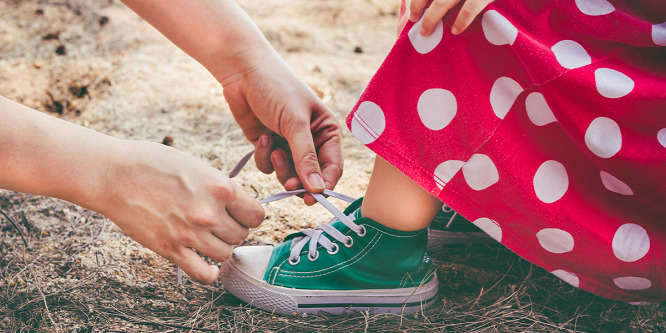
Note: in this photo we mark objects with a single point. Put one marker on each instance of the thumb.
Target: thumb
(305, 157)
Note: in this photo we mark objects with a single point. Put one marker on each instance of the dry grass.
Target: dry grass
(80, 273)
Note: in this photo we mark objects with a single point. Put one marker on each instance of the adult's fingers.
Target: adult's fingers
(469, 11)
(304, 155)
(241, 207)
(434, 15)
(416, 8)
(262, 154)
(215, 248)
(330, 157)
(284, 168)
(229, 231)
(195, 267)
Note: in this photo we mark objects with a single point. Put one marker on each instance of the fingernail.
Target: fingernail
(278, 160)
(423, 32)
(455, 30)
(263, 141)
(316, 182)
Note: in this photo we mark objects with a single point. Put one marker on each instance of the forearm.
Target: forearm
(40, 154)
(216, 33)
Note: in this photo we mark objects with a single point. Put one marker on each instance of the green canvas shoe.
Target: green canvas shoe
(451, 228)
(349, 264)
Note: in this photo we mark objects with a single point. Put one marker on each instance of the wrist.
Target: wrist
(232, 63)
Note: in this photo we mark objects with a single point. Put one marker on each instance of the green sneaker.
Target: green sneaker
(450, 228)
(351, 263)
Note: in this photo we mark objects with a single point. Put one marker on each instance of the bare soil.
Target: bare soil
(99, 65)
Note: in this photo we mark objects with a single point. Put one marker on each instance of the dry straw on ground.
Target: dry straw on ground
(98, 65)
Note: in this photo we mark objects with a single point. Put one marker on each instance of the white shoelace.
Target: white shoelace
(312, 236)
(448, 209)
(316, 236)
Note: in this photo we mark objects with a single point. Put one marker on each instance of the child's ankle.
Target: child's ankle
(404, 220)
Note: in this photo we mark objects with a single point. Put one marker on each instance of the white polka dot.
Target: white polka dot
(640, 303)
(661, 137)
(595, 7)
(612, 84)
(437, 107)
(498, 30)
(603, 137)
(615, 185)
(480, 172)
(445, 171)
(632, 283)
(659, 34)
(502, 95)
(568, 277)
(368, 123)
(551, 181)
(490, 227)
(555, 240)
(630, 242)
(571, 54)
(538, 110)
(424, 44)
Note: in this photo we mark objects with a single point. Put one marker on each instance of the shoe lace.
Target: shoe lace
(313, 237)
(448, 209)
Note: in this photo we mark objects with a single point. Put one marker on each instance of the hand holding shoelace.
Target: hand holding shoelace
(313, 237)
(166, 200)
(294, 133)
(438, 9)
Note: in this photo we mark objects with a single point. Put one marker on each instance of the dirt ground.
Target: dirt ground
(97, 64)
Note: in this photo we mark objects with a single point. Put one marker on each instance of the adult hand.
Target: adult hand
(295, 134)
(176, 205)
(438, 9)
(164, 199)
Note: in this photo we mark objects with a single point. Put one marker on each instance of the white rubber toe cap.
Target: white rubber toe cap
(252, 260)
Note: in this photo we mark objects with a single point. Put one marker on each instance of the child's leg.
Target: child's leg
(374, 259)
(396, 201)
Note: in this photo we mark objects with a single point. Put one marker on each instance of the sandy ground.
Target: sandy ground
(97, 64)
(139, 86)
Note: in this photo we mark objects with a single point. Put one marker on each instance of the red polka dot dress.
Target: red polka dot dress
(544, 124)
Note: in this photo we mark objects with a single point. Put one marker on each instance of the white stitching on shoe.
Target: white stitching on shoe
(316, 236)
(348, 262)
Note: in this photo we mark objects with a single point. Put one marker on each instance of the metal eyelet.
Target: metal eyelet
(350, 243)
(313, 258)
(362, 233)
(298, 259)
(335, 250)
(446, 209)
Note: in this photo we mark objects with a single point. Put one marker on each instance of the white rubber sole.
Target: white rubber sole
(287, 301)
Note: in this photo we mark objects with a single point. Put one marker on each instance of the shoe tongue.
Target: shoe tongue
(354, 207)
(357, 214)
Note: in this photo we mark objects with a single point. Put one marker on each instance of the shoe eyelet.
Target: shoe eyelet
(293, 263)
(337, 247)
(362, 233)
(350, 243)
(313, 258)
